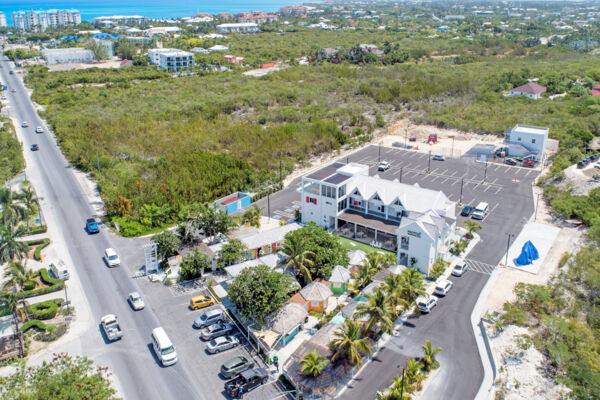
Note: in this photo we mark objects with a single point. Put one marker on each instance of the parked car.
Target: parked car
(111, 327)
(208, 318)
(24, 124)
(135, 301)
(443, 287)
(59, 270)
(222, 343)
(39, 129)
(236, 365)
(11, 72)
(529, 163)
(111, 257)
(580, 164)
(466, 211)
(383, 166)
(597, 165)
(245, 382)
(439, 157)
(459, 269)
(595, 157)
(163, 347)
(91, 225)
(216, 330)
(201, 302)
(426, 303)
(510, 161)
(35, 147)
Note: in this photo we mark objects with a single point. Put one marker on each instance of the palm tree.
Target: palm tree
(413, 373)
(378, 310)
(373, 262)
(429, 354)
(10, 300)
(471, 227)
(12, 211)
(348, 343)
(313, 363)
(393, 285)
(299, 258)
(412, 285)
(17, 275)
(10, 247)
(252, 216)
(29, 200)
(362, 277)
(388, 259)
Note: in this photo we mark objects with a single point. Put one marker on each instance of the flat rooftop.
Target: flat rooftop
(326, 171)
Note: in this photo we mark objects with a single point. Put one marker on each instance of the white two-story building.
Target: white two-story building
(415, 223)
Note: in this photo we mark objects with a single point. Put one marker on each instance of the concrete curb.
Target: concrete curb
(485, 390)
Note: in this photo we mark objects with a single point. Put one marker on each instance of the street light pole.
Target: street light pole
(452, 152)
(280, 171)
(429, 162)
(461, 189)
(510, 235)
(379, 152)
(537, 204)
(402, 385)
(269, 206)
(66, 299)
(485, 172)
(401, 174)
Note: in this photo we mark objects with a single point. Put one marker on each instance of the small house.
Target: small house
(339, 278)
(316, 295)
(233, 202)
(531, 90)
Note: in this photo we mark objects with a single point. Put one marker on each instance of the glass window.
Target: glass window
(404, 240)
(342, 191)
(532, 140)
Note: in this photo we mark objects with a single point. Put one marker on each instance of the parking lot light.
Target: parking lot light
(462, 181)
(510, 236)
(429, 162)
(485, 172)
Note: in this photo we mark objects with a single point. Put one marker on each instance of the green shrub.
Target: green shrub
(29, 285)
(37, 254)
(43, 310)
(55, 285)
(38, 229)
(37, 324)
(52, 334)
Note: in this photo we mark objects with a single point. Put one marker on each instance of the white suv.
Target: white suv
(443, 287)
(426, 304)
(111, 257)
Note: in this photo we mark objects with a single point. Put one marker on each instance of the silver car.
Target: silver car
(222, 343)
(135, 301)
(216, 330)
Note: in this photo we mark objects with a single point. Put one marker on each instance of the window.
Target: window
(404, 240)
(532, 140)
(519, 139)
(328, 191)
(342, 191)
(376, 197)
(342, 205)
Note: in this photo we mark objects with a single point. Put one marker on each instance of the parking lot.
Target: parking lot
(507, 190)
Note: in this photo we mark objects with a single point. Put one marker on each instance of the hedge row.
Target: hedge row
(45, 309)
(36, 323)
(38, 229)
(55, 285)
(40, 244)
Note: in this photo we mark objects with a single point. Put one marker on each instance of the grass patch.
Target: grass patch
(350, 244)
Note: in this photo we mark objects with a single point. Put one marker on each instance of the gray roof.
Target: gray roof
(340, 274)
(288, 318)
(268, 237)
(356, 257)
(316, 291)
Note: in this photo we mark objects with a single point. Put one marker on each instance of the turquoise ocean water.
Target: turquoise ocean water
(148, 8)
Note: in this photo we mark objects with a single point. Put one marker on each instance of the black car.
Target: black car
(580, 164)
(594, 157)
(510, 161)
(35, 147)
(466, 211)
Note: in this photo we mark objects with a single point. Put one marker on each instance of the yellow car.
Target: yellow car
(201, 302)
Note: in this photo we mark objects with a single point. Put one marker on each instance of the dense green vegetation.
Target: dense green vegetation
(11, 154)
(566, 322)
(21, 53)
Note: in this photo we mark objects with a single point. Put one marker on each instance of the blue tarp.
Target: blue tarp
(105, 36)
(528, 254)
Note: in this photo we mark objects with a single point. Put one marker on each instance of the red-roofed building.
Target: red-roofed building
(297, 11)
(596, 90)
(531, 90)
(257, 17)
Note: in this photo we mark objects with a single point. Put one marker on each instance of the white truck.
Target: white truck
(111, 327)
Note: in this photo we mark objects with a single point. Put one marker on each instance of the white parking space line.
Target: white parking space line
(493, 208)
(474, 177)
(435, 178)
(494, 181)
(528, 172)
(497, 167)
(487, 187)
(421, 155)
(498, 190)
(444, 181)
(444, 173)
(433, 172)
(453, 173)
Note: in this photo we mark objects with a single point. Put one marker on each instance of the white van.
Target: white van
(481, 211)
(164, 349)
(59, 270)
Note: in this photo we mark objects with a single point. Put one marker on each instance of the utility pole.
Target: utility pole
(452, 152)
(429, 162)
(406, 136)
(269, 206)
(510, 236)
(346, 159)
(402, 385)
(379, 152)
(462, 181)
(280, 180)
(66, 299)
(485, 172)
(401, 174)
(537, 204)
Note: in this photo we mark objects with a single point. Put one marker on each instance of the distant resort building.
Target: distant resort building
(240, 27)
(171, 59)
(67, 55)
(115, 20)
(2, 20)
(39, 21)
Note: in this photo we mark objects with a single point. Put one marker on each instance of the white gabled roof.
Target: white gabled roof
(356, 257)
(412, 198)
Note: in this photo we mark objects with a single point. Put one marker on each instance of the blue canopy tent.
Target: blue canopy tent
(528, 254)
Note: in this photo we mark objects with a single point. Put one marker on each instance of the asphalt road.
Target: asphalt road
(130, 360)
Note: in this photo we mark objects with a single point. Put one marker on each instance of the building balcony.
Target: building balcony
(357, 208)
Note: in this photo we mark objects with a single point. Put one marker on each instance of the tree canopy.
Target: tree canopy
(258, 292)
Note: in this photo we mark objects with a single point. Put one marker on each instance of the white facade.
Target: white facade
(2, 19)
(171, 59)
(242, 27)
(161, 30)
(413, 222)
(533, 138)
(42, 20)
(120, 19)
(68, 55)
